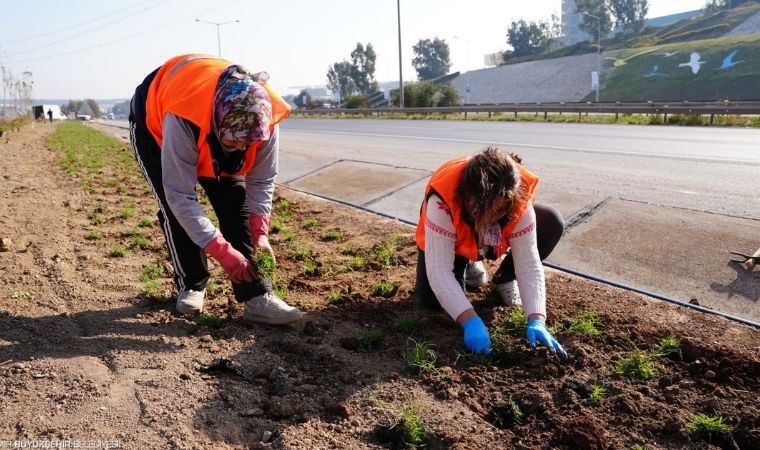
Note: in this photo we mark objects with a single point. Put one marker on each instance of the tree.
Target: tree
(340, 79)
(302, 99)
(431, 58)
(630, 14)
(94, 107)
(364, 68)
(528, 38)
(589, 24)
(72, 107)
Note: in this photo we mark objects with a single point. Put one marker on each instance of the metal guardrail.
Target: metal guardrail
(685, 108)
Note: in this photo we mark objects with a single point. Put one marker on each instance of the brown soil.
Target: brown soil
(85, 355)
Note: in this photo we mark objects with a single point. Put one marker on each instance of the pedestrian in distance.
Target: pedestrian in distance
(481, 207)
(50, 115)
(199, 119)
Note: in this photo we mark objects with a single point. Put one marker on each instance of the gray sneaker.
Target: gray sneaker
(475, 275)
(190, 302)
(269, 308)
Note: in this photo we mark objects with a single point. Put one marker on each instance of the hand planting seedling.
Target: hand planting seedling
(265, 264)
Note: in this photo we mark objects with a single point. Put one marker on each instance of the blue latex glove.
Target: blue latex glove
(476, 337)
(537, 331)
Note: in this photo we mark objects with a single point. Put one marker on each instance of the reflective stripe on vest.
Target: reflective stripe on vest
(185, 86)
(444, 183)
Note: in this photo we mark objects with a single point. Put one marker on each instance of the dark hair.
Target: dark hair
(489, 176)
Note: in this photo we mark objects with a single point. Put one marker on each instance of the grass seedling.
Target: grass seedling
(287, 235)
(584, 322)
(23, 295)
(302, 252)
(310, 268)
(414, 426)
(421, 356)
(383, 289)
(516, 412)
(151, 288)
(668, 345)
(505, 415)
(117, 251)
(332, 235)
(151, 272)
(127, 211)
(209, 320)
(707, 425)
(93, 235)
(370, 339)
(140, 242)
(350, 250)
(144, 222)
(596, 393)
(265, 264)
(310, 223)
(639, 447)
(335, 297)
(636, 364)
(514, 323)
(276, 226)
(405, 324)
(282, 204)
(385, 253)
(97, 219)
(356, 263)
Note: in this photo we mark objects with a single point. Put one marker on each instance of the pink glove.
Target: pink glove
(260, 231)
(232, 261)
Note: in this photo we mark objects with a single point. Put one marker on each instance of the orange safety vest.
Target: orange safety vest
(444, 183)
(185, 86)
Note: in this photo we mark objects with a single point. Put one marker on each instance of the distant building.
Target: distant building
(571, 34)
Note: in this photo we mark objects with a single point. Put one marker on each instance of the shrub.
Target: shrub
(356, 101)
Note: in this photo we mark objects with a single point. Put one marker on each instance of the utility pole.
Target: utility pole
(400, 69)
(218, 37)
(598, 52)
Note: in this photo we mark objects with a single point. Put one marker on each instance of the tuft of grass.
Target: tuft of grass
(350, 250)
(276, 226)
(23, 295)
(117, 251)
(356, 263)
(668, 345)
(141, 242)
(585, 322)
(420, 355)
(405, 324)
(302, 252)
(332, 235)
(514, 323)
(93, 235)
(636, 364)
(144, 222)
(335, 297)
(265, 264)
(151, 289)
(287, 235)
(310, 223)
(151, 272)
(413, 426)
(127, 210)
(383, 288)
(209, 320)
(310, 268)
(707, 425)
(596, 393)
(505, 415)
(370, 339)
(639, 447)
(385, 253)
(97, 219)
(282, 204)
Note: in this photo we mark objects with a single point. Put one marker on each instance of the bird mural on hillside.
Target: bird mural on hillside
(668, 54)
(655, 72)
(728, 61)
(694, 63)
(619, 62)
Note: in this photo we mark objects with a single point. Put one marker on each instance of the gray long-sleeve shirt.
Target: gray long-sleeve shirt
(179, 158)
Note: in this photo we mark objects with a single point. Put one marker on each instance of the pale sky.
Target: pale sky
(103, 49)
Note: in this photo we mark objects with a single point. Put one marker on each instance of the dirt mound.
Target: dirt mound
(91, 350)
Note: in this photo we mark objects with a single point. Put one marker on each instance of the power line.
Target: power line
(86, 32)
(87, 22)
(122, 38)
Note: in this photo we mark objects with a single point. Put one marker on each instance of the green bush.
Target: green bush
(356, 101)
(426, 94)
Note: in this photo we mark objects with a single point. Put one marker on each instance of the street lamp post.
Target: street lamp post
(218, 38)
(466, 68)
(598, 52)
(400, 70)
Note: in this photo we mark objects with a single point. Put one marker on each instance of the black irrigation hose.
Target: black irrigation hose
(559, 268)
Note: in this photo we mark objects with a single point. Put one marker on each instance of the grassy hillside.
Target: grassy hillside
(706, 26)
(629, 80)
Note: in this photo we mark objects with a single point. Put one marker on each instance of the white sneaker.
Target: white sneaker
(269, 308)
(190, 302)
(475, 275)
(509, 293)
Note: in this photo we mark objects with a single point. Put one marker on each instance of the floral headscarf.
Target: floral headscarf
(242, 108)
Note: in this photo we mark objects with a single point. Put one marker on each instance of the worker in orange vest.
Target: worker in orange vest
(481, 207)
(199, 119)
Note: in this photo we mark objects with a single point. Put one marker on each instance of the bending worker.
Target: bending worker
(201, 119)
(481, 207)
